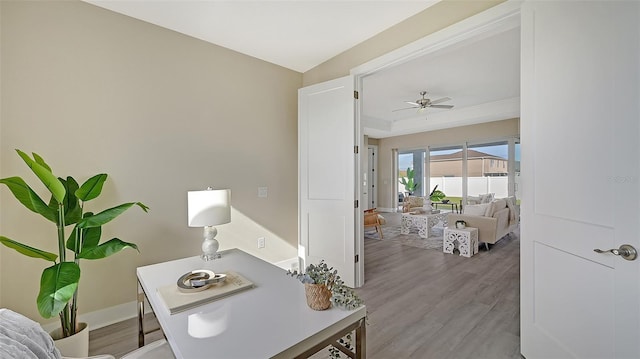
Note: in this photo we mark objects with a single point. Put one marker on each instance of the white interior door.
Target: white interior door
(580, 175)
(327, 165)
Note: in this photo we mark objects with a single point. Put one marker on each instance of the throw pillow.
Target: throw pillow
(495, 206)
(473, 200)
(487, 198)
(476, 209)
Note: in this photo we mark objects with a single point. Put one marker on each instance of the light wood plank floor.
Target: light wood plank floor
(420, 303)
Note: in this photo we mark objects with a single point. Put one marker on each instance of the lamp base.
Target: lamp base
(209, 257)
(210, 244)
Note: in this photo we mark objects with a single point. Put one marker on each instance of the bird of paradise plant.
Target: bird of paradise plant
(59, 283)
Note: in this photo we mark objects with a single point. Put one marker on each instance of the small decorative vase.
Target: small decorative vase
(318, 296)
(74, 346)
(461, 224)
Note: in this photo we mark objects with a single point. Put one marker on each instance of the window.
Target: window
(494, 178)
(445, 170)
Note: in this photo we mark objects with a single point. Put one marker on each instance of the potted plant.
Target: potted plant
(409, 182)
(59, 283)
(322, 287)
(436, 195)
(324, 282)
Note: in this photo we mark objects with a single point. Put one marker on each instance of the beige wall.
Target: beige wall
(434, 18)
(161, 113)
(453, 136)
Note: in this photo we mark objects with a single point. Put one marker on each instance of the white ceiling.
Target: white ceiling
(480, 75)
(298, 35)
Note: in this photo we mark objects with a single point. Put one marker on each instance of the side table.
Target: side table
(465, 238)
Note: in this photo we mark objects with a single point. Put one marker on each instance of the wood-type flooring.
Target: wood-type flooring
(421, 304)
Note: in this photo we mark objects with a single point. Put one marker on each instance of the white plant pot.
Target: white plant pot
(75, 346)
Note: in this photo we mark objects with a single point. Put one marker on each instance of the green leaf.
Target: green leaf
(28, 251)
(57, 286)
(46, 177)
(71, 241)
(25, 195)
(72, 209)
(91, 238)
(92, 187)
(39, 160)
(106, 249)
(107, 215)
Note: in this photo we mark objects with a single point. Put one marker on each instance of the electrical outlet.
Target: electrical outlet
(261, 242)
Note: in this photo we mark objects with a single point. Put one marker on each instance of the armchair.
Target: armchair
(21, 337)
(374, 219)
(419, 204)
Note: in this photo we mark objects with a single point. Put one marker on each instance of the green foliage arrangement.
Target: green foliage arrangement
(436, 195)
(409, 183)
(59, 283)
(342, 296)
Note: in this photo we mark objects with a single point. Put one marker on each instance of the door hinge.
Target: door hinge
(356, 149)
(357, 258)
(356, 204)
(356, 95)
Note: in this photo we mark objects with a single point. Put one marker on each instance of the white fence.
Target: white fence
(452, 186)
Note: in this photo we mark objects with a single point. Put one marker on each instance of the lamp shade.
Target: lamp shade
(209, 207)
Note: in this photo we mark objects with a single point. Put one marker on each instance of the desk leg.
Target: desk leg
(361, 339)
(360, 346)
(140, 316)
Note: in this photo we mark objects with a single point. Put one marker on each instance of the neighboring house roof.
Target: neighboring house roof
(471, 154)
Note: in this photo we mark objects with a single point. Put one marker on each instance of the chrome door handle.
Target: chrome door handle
(625, 251)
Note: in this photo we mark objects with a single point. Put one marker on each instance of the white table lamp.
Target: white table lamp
(207, 209)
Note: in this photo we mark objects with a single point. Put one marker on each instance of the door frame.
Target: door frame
(497, 19)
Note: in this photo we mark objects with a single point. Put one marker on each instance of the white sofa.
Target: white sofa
(494, 220)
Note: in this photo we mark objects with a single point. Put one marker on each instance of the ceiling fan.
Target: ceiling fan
(422, 103)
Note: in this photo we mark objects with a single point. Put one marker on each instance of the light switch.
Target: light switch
(262, 192)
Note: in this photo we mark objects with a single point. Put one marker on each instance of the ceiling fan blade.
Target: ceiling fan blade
(400, 109)
(440, 100)
(412, 103)
(442, 106)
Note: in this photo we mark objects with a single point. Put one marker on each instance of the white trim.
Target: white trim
(103, 317)
(291, 263)
(497, 19)
(386, 210)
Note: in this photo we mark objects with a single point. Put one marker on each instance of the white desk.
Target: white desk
(271, 320)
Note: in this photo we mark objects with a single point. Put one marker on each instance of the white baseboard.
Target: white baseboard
(103, 317)
(389, 210)
(288, 264)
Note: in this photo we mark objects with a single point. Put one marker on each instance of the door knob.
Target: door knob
(625, 251)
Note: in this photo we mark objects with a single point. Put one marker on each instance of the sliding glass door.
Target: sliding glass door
(487, 169)
(411, 171)
(462, 171)
(446, 171)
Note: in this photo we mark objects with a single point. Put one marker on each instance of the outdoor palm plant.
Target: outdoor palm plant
(409, 183)
(59, 283)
